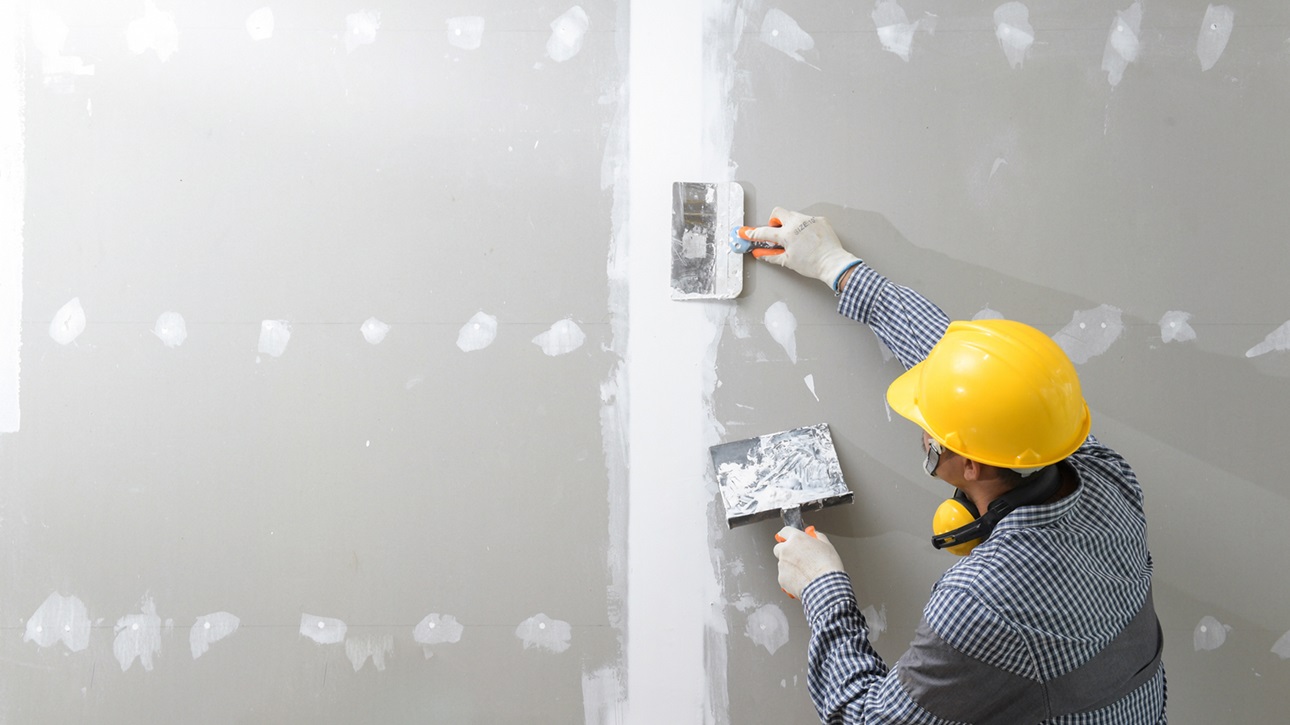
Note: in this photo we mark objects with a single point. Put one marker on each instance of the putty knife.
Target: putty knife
(703, 264)
(780, 474)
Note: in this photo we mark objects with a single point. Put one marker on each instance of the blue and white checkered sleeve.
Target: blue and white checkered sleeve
(907, 323)
(848, 680)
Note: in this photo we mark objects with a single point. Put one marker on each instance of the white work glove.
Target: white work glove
(811, 247)
(803, 558)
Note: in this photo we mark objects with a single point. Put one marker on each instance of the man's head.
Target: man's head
(997, 401)
(995, 392)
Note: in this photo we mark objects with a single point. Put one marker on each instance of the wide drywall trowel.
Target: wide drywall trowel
(704, 266)
(780, 474)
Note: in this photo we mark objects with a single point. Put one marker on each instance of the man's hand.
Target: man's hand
(803, 559)
(811, 248)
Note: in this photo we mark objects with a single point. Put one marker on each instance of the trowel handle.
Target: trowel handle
(741, 243)
(792, 516)
(810, 531)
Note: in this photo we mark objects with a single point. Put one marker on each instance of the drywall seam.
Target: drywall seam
(672, 587)
(12, 192)
(604, 684)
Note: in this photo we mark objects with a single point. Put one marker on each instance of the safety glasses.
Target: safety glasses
(933, 459)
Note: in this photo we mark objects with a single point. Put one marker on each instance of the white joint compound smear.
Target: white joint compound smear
(49, 35)
(783, 328)
(1277, 341)
(739, 326)
(170, 329)
(274, 336)
(1215, 31)
(781, 32)
(374, 331)
(60, 619)
(602, 697)
(209, 629)
(988, 314)
(543, 632)
(1174, 327)
(437, 629)
(895, 32)
(694, 243)
(68, 322)
(1281, 648)
(768, 627)
(564, 337)
(1122, 44)
(466, 32)
(1090, 333)
(259, 24)
(810, 385)
(1210, 634)
(155, 31)
(567, 32)
(138, 636)
(478, 333)
(360, 29)
(323, 630)
(877, 621)
(360, 649)
(1012, 28)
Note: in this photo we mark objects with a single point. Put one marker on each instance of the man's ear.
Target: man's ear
(974, 471)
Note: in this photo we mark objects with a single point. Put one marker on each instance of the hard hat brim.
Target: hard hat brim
(902, 396)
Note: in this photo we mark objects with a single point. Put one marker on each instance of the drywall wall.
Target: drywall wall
(1126, 169)
(317, 387)
(232, 493)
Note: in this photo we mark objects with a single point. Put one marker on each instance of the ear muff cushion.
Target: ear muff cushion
(952, 514)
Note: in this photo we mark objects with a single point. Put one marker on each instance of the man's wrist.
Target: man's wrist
(827, 592)
(840, 283)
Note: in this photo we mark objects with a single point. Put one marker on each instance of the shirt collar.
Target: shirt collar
(1044, 513)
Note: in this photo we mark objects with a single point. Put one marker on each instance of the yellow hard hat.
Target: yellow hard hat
(997, 392)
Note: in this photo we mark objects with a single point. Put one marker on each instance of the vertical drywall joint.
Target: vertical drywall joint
(672, 588)
(12, 193)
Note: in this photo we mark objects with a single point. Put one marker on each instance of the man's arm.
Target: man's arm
(969, 675)
(907, 323)
(851, 685)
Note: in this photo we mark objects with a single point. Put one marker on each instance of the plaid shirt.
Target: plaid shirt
(1046, 593)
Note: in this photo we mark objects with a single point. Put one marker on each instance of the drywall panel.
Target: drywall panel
(317, 357)
(1126, 167)
(13, 182)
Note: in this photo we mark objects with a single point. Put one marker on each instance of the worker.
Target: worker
(1048, 617)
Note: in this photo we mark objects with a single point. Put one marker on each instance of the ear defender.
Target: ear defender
(959, 527)
(956, 526)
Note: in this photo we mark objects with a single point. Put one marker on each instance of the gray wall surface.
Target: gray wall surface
(359, 162)
(422, 163)
(1043, 191)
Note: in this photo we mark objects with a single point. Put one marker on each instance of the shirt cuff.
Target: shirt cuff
(826, 593)
(863, 289)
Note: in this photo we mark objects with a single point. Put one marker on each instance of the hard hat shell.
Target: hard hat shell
(998, 392)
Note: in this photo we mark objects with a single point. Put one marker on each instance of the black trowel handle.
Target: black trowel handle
(792, 516)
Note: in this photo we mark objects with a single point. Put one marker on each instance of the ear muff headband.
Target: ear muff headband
(950, 533)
